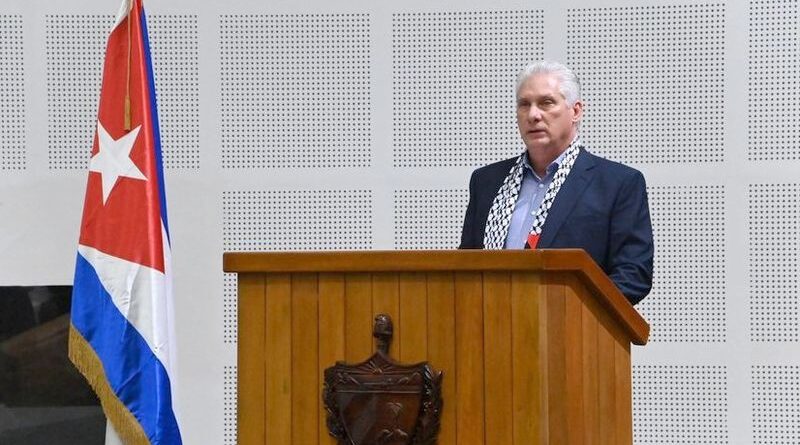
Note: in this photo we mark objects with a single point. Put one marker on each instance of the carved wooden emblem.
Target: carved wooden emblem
(380, 401)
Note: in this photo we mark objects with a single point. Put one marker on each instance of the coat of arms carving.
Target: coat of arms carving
(380, 401)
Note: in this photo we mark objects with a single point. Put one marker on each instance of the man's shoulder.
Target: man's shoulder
(612, 168)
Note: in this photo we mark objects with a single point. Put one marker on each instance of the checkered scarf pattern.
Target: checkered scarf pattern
(494, 236)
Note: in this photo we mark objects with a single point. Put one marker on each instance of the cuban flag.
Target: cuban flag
(120, 335)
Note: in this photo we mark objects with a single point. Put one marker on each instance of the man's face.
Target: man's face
(547, 123)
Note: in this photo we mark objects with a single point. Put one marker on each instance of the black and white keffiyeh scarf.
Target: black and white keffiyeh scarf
(494, 237)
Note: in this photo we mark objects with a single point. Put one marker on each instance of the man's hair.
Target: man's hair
(568, 84)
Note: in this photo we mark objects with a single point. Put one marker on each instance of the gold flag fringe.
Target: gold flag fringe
(85, 359)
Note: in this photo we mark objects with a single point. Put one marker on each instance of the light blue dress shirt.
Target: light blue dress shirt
(531, 195)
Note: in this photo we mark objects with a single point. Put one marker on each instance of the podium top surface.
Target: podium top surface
(556, 260)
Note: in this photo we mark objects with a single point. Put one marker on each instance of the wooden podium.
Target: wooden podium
(534, 345)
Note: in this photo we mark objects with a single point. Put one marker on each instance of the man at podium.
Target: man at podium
(558, 195)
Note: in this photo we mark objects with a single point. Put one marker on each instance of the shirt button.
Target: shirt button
(541, 185)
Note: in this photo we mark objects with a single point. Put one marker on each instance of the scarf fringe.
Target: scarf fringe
(88, 363)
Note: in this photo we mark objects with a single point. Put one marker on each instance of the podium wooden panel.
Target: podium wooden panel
(534, 345)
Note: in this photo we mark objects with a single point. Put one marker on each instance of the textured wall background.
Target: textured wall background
(355, 125)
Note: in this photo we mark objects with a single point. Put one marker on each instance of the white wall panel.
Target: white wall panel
(75, 48)
(653, 80)
(295, 90)
(428, 219)
(688, 300)
(774, 226)
(12, 93)
(773, 81)
(680, 404)
(175, 51)
(776, 404)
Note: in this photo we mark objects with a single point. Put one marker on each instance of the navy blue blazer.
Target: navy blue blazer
(601, 208)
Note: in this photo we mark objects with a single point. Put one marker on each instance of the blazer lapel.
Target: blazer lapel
(566, 199)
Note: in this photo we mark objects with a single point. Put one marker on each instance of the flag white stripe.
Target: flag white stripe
(139, 294)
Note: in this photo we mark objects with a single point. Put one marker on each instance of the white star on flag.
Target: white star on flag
(113, 160)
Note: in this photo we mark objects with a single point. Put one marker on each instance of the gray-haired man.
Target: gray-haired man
(558, 195)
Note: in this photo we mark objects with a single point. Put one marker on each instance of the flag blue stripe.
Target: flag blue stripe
(156, 129)
(133, 371)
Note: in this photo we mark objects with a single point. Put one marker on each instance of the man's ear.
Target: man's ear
(577, 112)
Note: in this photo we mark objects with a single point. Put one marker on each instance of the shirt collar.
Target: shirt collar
(553, 165)
(550, 168)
